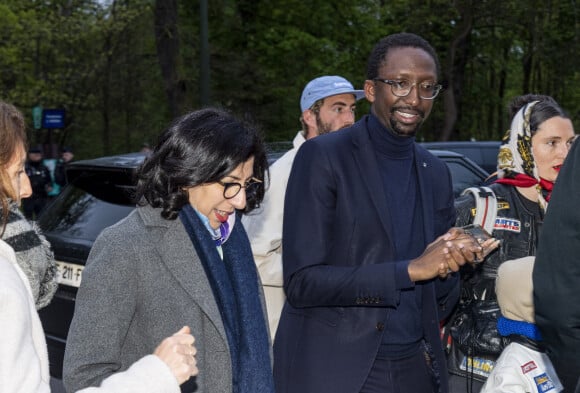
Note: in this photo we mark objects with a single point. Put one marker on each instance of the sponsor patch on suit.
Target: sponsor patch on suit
(544, 383)
(507, 224)
(529, 366)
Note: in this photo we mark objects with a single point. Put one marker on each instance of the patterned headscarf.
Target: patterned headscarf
(515, 162)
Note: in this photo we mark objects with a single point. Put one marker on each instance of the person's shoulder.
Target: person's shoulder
(425, 153)
(337, 139)
(501, 189)
(324, 147)
(6, 251)
(128, 227)
(285, 162)
(465, 201)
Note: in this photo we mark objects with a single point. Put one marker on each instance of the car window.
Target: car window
(462, 176)
(86, 207)
(484, 153)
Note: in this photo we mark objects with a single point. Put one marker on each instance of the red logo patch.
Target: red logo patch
(529, 366)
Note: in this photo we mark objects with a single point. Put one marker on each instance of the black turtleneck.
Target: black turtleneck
(396, 161)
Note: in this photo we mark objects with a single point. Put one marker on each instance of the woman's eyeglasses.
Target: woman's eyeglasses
(231, 189)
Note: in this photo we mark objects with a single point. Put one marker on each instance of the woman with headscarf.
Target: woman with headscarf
(27, 283)
(181, 257)
(529, 160)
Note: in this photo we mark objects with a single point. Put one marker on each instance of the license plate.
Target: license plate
(69, 273)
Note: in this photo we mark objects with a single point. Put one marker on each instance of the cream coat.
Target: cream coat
(23, 358)
(264, 228)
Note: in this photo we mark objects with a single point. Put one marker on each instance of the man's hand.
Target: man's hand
(448, 253)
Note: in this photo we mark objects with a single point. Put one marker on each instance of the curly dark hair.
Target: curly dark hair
(200, 147)
(399, 40)
(545, 109)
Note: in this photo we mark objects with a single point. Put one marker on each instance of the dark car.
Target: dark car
(100, 193)
(484, 153)
(276, 150)
(464, 172)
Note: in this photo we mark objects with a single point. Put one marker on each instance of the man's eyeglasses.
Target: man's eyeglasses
(231, 189)
(402, 88)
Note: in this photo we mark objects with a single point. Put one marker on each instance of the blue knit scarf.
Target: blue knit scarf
(234, 282)
(506, 327)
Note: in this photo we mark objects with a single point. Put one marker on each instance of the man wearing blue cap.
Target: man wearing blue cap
(328, 104)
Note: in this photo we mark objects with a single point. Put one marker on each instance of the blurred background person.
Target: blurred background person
(328, 104)
(66, 157)
(41, 183)
(146, 148)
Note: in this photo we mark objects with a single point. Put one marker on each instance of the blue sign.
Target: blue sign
(53, 118)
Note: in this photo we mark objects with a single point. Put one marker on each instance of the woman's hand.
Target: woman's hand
(178, 352)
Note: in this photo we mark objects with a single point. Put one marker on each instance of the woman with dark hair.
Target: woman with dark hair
(529, 160)
(27, 283)
(182, 257)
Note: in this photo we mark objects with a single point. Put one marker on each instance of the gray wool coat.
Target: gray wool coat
(143, 282)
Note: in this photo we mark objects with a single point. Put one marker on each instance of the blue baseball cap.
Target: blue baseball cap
(327, 86)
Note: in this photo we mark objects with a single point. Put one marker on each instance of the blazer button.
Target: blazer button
(380, 326)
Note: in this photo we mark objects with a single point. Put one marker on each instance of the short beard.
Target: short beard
(395, 129)
(323, 128)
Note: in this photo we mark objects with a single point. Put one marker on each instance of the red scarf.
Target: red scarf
(521, 180)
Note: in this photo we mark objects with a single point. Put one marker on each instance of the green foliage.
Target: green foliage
(98, 60)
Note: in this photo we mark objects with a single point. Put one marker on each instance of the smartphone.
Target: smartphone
(477, 231)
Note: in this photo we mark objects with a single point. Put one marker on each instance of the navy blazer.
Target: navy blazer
(338, 272)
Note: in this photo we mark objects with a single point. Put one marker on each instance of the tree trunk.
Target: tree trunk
(455, 69)
(167, 43)
(106, 97)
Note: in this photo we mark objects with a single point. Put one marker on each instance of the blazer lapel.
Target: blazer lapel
(184, 264)
(424, 177)
(365, 158)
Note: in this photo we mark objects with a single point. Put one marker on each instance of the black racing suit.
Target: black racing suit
(516, 225)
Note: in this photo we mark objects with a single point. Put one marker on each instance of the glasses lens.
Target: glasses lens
(430, 92)
(231, 190)
(427, 90)
(401, 88)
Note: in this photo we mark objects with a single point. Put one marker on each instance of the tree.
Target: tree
(124, 68)
(167, 43)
